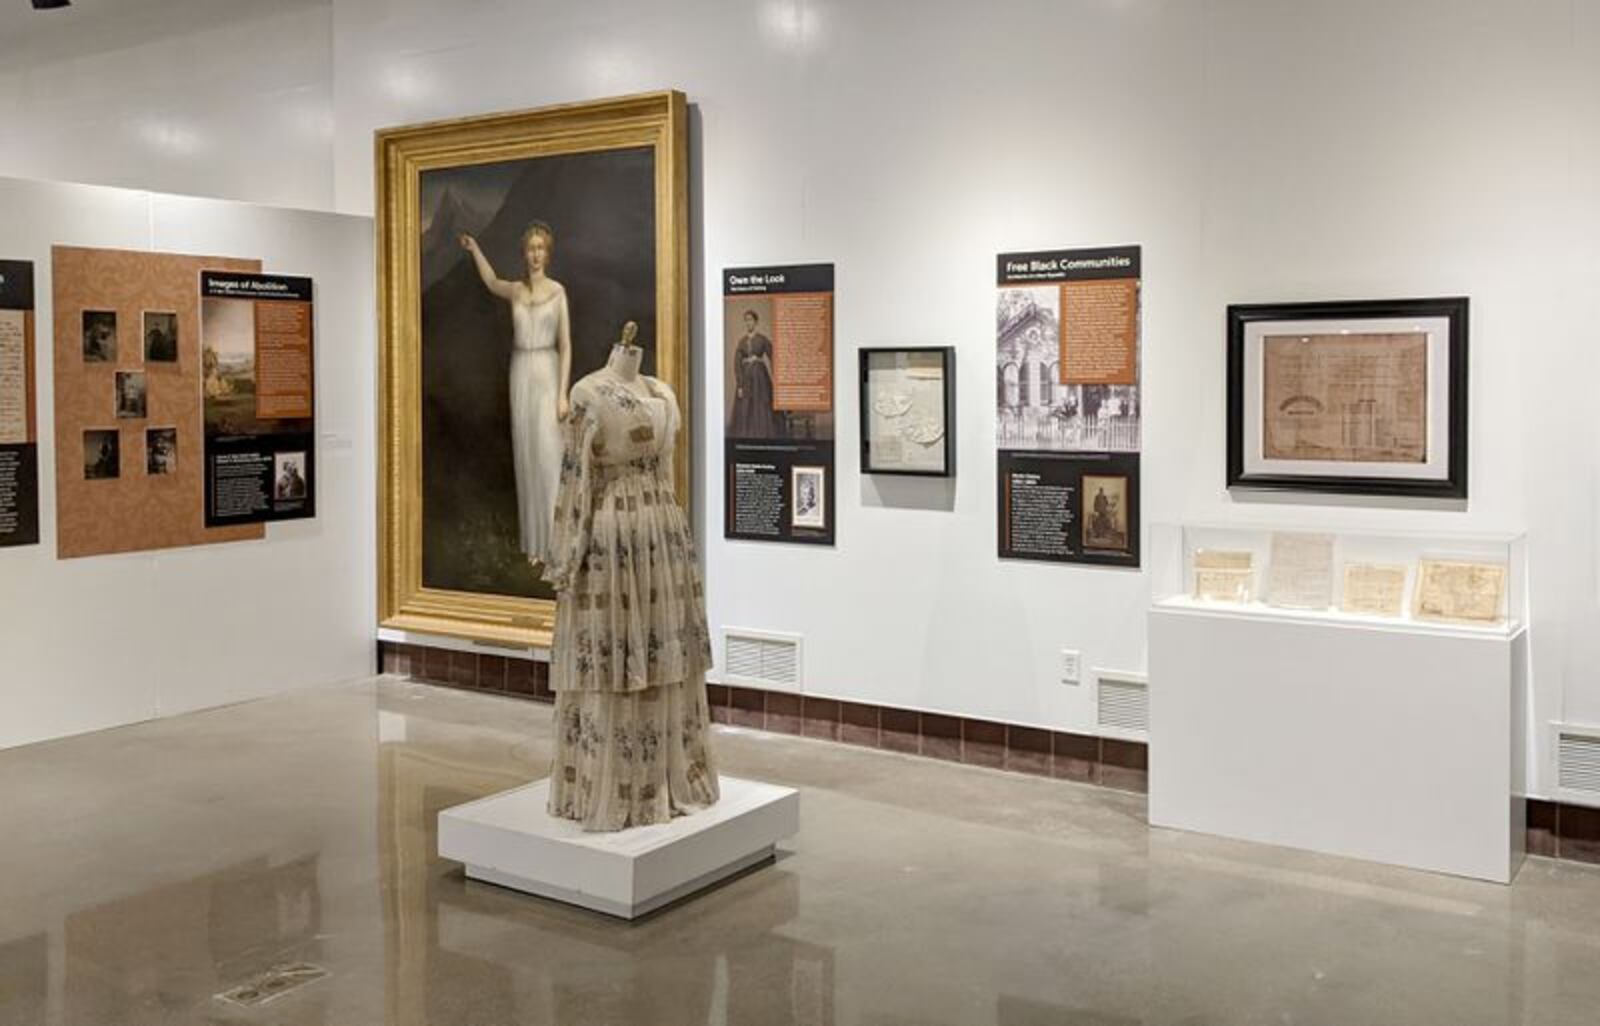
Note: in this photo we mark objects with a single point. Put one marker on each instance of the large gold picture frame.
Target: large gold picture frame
(656, 121)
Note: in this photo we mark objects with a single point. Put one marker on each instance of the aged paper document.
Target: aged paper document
(1374, 589)
(906, 396)
(1223, 575)
(1300, 574)
(14, 413)
(1359, 398)
(1449, 590)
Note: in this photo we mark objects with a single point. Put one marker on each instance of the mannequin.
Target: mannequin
(631, 647)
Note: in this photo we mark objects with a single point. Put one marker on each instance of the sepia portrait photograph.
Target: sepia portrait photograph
(99, 336)
(102, 454)
(747, 338)
(132, 396)
(160, 336)
(1104, 514)
(524, 256)
(161, 451)
(810, 507)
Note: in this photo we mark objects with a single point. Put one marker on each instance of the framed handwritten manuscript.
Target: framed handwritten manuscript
(1355, 398)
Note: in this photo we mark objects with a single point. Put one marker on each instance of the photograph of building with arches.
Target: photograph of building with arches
(1037, 409)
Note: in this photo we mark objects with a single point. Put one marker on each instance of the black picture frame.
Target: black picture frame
(1453, 309)
(947, 356)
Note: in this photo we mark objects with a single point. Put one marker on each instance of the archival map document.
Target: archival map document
(1360, 398)
(1374, 589)
(1460, 591)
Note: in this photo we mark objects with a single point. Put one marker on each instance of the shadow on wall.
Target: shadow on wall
(936, 494)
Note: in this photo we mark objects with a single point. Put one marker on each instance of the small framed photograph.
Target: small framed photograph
(160, 451)
(102, 454)
(808, 488)
(908, 409)
(289, 476)
(1104, 516)
(1353, 398)
(160, 336)
(133, 398)
(99, 336)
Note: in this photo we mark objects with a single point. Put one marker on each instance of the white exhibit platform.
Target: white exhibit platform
(510, 840)
(1396, 742)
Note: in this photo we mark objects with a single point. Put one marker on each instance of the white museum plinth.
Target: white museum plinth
(510, 840)
(1398, 742)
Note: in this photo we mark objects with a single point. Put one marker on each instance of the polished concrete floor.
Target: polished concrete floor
(144, 871)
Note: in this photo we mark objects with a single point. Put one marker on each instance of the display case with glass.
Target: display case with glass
(1472, 582)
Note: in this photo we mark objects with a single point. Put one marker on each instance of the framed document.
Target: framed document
(908, 409)
(1357, 398)
(512, 248)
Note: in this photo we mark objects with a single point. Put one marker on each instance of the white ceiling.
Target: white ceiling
(96, 26)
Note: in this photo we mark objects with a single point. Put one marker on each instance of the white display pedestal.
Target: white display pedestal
(1397, 742)
(509, 839)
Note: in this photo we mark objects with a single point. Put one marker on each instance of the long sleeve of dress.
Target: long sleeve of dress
(574, 495)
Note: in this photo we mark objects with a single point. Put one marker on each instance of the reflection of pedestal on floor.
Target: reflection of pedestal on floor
(509, 839)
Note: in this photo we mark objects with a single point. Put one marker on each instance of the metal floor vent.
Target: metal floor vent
(1578, 759)
(761, 658)
(1124, 703)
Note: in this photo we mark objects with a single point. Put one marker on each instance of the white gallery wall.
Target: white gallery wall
(102, 641)
(1258, 151)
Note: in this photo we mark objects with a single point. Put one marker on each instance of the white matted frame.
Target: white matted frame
(1441, 474)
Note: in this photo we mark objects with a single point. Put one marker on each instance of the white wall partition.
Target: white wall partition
(101, 641)
(1257, 150)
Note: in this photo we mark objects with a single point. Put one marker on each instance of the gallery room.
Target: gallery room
(832, 512)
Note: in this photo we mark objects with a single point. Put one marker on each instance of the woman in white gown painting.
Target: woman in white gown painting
(541, 372)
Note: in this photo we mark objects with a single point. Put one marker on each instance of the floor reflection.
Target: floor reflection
(149, 869)
(463, 951)
(169, 948)
(25, 979)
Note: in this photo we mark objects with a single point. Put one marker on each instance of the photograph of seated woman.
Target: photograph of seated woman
(753, 415)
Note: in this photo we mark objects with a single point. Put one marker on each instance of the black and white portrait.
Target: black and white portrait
(99, 336)
(810, 507)
(161, 451)
(132, 397)
(102, 455)
(288, 476)
(160, 337)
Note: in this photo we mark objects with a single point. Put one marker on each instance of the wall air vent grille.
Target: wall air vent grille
(761, 659)
(1578, 760)
(1124, 704)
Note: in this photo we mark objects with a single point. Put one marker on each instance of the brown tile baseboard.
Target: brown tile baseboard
(1555, 829)
(469, 671)
(1559, 830)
